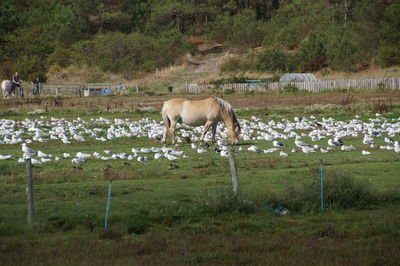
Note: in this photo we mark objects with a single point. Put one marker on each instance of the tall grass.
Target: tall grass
(341, 191)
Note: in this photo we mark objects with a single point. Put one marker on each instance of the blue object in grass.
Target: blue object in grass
(106, 91)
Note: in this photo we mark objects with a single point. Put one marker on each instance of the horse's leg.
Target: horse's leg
(172, 130)
(213, 130)
(207, 126)
(164, 138)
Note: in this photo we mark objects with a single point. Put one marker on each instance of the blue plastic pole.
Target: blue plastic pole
(322, 186)
(108, 204)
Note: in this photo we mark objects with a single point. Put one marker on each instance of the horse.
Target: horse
(207, 112)
(6, 88)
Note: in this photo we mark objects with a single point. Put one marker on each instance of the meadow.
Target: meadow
(183, 212)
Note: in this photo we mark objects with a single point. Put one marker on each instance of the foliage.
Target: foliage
(236, 63)
(312, 53)
(390, 48)
(341, 191)
(274, 59)
(242, 30)
(141, 35)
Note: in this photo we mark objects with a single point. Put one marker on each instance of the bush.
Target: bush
(342, 49)
(312, 54)
(290, 88)
(124, 53)
(246, 30)
(237, 63)
(57, 222)
(241, 31)
(138, 224)
(389, 55)
(341, 191)
(221, 28)
(170, 45)
(380, 106)
(389, 52)
(274, 59)
(226, 202)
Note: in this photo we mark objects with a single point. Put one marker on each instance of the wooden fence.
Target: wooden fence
(74, 89)
(311, 86)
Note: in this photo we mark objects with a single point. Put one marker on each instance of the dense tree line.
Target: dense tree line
(125, 36)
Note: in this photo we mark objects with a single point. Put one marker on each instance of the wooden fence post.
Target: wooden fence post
(321, 176)
(234, 176)
(29, 191)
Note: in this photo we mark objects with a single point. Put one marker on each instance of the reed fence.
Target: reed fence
(311, 86)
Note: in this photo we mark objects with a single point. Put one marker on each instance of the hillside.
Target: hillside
(125, 40)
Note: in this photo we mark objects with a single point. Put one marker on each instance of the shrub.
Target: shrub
(221, 28)
(138, 224)
(290, 88)
(246, 31)
(389, 52)
(226, 202)
(237, 63)
(342, 48)
(341, 191)
(58, 222)
(241, 31)
(380, 106)
(312, 53)
(274, 59)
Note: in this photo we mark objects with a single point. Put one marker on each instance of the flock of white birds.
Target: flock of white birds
(286, 136)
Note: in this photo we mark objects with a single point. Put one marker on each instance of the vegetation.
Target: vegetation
(182, 212)
(131, 37)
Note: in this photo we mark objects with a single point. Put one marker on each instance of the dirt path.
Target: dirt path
(197, 70)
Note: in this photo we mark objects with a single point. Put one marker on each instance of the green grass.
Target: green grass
(186, 215)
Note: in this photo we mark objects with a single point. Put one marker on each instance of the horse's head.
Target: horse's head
(234, 133)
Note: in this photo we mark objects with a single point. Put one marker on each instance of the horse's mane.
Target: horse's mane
(227, 108)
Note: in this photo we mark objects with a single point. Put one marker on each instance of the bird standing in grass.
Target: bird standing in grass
(278, 144)
(254, 148)
(27, 151)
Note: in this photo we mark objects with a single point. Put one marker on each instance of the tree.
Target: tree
(390, 36)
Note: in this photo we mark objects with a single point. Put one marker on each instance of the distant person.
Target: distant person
(121, 87)
(15, 82)
(36, 86)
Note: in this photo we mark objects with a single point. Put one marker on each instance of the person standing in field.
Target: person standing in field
(36, 86)
(15, 82)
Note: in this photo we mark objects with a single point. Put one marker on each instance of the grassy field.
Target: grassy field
(182, 212)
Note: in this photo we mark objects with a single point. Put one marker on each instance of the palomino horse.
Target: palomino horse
(207, 112)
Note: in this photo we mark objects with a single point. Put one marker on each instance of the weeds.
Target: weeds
(348, 100)
(341, 191)
(58, 222)
(226, 202)
(290, 88)
(381, 106)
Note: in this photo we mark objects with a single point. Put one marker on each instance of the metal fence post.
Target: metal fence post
(29, 191)
(108, 204)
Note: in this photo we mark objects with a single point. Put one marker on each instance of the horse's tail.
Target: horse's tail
(167, 121)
